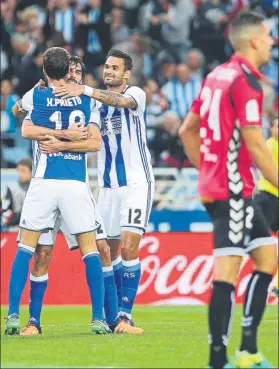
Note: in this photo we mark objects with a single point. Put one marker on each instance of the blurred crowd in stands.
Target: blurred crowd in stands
(173, 43)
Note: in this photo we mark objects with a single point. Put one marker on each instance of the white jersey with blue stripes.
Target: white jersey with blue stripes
(124, 157)
(47, 110)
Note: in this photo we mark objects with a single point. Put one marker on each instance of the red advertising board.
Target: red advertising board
(176, 270)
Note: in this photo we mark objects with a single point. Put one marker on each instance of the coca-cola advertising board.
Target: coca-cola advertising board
(176, 270)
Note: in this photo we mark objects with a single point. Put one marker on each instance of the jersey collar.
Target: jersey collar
(249, 67)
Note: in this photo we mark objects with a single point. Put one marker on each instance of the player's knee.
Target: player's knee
(42, 258)
(104, 251)
(226, 268)
(130, 249)
(267, 265)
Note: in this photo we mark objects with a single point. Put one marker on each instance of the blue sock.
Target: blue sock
(118, 278)
(37, 292)
(131, 279)
(19, 276)
(111, 307)
(95, 281)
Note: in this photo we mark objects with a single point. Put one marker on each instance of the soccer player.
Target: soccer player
(267, 195)
(59, 185)
(125, 174)
(222, 135)
(43, 253)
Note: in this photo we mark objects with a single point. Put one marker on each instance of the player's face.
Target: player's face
(274, 129)
(75, 74)
(114, 72)
(24, 173)
(264, 44)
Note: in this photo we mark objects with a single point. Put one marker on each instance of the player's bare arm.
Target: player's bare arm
(258, 148)
(189, 133)
(17, 109)
(106, 97)
(91, 144)
(32, 132)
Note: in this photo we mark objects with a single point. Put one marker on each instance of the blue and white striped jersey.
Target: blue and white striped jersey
(181, 95)
(47, 110)
(124, 158)
(64, 22)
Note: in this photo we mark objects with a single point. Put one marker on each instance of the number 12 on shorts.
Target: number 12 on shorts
(134, 216)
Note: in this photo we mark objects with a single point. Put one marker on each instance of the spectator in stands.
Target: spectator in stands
(6, 51)
(8, 99)
(22, 49)
(90, 80)
(172, 18)
(156, 104)
(119, 30)
(7, 10)
(166, 147)
(181, 91)
(131, 8)
(196, 63)
(210, 25)
(135, 47)
(268, 107)
(30, 72)
(93, 33)
(30, 23)
(271, 69)
(164, 69)
(63, 20)
(13, 196)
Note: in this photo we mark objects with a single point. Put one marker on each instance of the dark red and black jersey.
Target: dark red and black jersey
(230, 99)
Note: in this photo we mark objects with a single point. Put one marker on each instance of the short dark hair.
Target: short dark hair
(246, 18)
(128, 62)
(242, 20)
(56, 62)
(74, 59)
(25, 162)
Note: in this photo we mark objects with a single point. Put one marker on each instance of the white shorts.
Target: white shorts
(126, 208)
(47, 198)
(48, 238)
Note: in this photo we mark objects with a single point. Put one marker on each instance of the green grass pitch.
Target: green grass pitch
(175, 337)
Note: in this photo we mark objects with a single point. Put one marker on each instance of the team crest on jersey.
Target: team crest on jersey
(110, 125)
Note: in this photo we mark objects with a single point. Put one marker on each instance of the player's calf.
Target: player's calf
(221, 308)
(94, 273)
(117, 268)
(38, 286)
(19, 274)
(131, 271)
(104, 251)
(256, 296)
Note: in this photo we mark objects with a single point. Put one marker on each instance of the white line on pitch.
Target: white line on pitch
(145, 323)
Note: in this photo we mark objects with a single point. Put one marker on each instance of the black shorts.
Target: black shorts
(238, 226)
(268, 204)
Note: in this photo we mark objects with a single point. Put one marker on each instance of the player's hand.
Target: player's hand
(20, 108)
(50, 145)
(77, 132)
(68, 90)
(40, 84)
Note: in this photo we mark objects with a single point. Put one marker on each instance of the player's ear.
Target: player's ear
(127, 74)
(254, 42)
